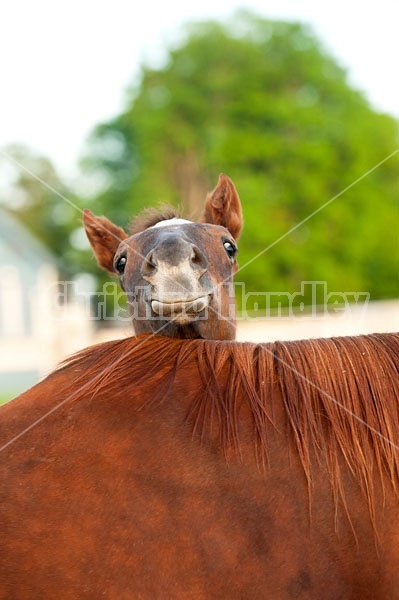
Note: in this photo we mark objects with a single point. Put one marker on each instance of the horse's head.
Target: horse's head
(177, 274)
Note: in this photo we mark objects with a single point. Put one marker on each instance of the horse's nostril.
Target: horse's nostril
(198, 259)
(195, 258)
(149, 265)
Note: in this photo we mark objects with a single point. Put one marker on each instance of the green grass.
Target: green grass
(6, 398)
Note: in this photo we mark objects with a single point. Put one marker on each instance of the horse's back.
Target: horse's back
(124, 495)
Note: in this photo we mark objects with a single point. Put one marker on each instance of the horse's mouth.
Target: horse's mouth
(181, 311)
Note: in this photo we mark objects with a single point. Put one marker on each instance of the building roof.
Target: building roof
(18, 243)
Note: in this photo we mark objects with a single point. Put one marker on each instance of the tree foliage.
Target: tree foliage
(265, 103)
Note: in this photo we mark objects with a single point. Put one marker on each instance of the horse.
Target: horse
(152, 467)
(177, 274)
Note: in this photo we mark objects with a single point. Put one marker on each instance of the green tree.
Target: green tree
(264, 102)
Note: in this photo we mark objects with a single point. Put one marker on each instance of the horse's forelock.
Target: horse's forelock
(151, 216)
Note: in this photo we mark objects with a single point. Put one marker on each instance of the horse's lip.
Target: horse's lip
(179, 300)
(169, 307)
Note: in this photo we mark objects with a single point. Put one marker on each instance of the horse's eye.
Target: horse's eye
(230, 248)
(121, 264)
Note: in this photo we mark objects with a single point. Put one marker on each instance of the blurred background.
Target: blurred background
(116, 108)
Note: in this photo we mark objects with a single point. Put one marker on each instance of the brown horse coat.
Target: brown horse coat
(156, 468)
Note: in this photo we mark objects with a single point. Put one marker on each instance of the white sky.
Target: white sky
(65, 66)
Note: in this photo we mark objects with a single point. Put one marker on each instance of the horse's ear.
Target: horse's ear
(223, 207)
(104, 238)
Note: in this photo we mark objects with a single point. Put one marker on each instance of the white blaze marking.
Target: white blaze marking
(167, 222)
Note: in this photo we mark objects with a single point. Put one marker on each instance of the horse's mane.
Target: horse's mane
(340, 395)
(151, 216)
